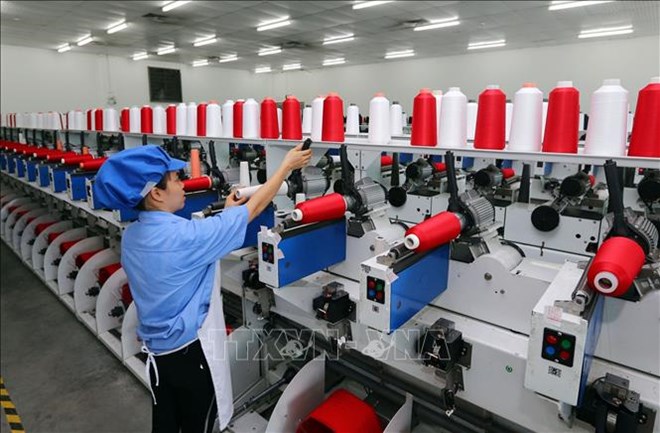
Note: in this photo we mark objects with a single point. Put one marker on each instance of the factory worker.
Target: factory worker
(172, 265)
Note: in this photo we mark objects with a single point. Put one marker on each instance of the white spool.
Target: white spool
(191, 119)
(453, 119)
(181, 119)
(135, 120)
(379, 119)
(228, 119)
(213, 120)
(250, 118)
(438, 108)
(526, 119)
(250, 190)
(79, 120)
(396, 119)
(244, 174)
(307, 120)
(544, 116)
(507, 120)
(33, 120)
(159, 120)
(40, 120)
(353, 120)
(472, 108)
(317, 118)
(110, 120)
(71, 119)
(279, 119)
(300, 197)
(608, 121)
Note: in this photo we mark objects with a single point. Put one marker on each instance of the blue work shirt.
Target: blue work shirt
(170, 264)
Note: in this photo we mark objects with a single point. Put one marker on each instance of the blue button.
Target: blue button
(550, 351)
(371, 294)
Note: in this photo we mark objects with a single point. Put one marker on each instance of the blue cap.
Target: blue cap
(128, 176)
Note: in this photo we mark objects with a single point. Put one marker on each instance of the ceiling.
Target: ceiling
(377, 30)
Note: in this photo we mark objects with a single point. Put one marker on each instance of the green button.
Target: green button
(566, 344)
(379, 286)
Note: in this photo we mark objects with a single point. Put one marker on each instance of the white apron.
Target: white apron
(213, 336)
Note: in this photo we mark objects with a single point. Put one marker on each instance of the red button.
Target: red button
(551, 339)
(564, 355)
(371, 284)
(379, 296)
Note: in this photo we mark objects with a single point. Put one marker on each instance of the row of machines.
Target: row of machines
(426, 294)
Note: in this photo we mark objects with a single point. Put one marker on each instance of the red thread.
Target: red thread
(170, 113)
(41, 227)
(435, 231)
(333, 118)
(201, 119)
(508, 172)
(424, 121)
(125, 120)
(197, 184)
(98, 119)
(386, 160)
(92, 164)
(562, 122)
(269, 127)
(618, 256)
(75, 159)
(291, 122)
(52, 236)
(332, 416)
(238, 119)
(82, 258)
(58, 155)
(126, 296)
(107, 271)
(89, 119)
(491, 120)
(65, 246)
(439, 166)
(147, 120)
(326, 208)
(645, 138)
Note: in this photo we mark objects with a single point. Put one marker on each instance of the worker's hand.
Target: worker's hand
(297, 158)
(231, 200)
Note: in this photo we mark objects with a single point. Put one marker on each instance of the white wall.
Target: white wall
(41, 80)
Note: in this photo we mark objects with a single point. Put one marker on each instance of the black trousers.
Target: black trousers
(185, 398)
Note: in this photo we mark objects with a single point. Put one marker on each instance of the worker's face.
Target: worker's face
(173, 197)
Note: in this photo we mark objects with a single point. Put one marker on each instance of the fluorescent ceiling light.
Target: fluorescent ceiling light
(605, 31)
(273, 24)
(559, 5)
(269, 51)
(117, 27)
(201, 62)
(84, 41)
(399, 54)
(230, 58)
(438, 24)
(333, 62)
(338, 39)
(262, 70)
(291, 67)
(173, 5)
(368, 4)
(486, 44)
(166, 50)
(200, 42)
(140, 56)
(64, 48)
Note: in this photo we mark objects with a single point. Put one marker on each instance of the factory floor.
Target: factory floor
(59, 376)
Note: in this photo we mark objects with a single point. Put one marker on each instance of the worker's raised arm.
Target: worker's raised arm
(296, 158)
